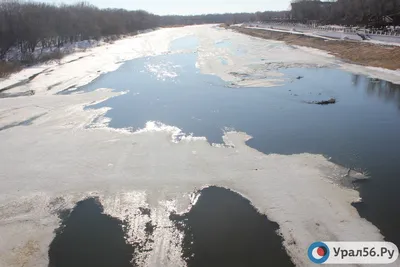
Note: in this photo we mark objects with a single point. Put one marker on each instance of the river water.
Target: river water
(360, 131)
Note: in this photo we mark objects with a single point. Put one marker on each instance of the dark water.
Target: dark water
(224, 230)
(87, 237)
(360, 131)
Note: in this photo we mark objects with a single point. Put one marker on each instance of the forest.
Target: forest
(27, 25)
(347, 12)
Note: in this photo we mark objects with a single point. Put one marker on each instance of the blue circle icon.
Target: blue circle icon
(318, 252)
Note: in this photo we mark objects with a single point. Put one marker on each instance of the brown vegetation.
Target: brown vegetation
(352, 51)
(6, 68)
(224, 25)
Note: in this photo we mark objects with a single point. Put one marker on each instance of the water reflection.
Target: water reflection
(385, 90)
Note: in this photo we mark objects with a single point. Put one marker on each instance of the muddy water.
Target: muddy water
(360, 131)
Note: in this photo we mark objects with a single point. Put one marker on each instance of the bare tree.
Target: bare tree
(347, 11)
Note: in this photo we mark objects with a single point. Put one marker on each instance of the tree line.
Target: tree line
(349, 12)
(26, 25)
(228, 18)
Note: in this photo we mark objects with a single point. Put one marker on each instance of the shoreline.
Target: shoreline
(364, 54)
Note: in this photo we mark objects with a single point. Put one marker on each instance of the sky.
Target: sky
(186, 7)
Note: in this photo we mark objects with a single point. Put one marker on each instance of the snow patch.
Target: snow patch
(176, 133)
(162, 71)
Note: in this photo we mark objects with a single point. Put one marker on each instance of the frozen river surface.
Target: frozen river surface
(196, 146)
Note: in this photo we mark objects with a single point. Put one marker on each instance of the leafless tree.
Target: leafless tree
(348, 11)
(27, 25)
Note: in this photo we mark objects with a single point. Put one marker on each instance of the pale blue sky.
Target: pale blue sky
(185, 7)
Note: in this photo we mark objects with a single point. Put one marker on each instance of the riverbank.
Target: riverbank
(365, 54)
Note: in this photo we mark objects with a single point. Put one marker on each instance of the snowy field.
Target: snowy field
(54, 149)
